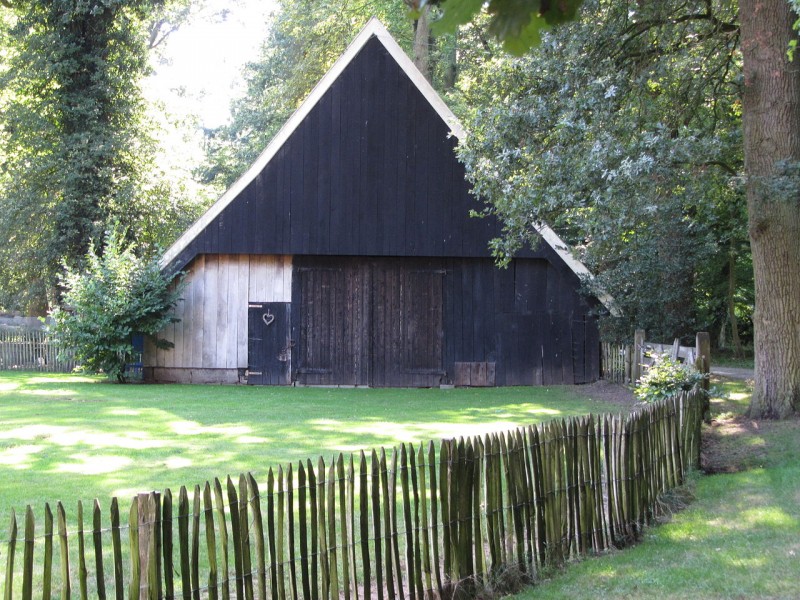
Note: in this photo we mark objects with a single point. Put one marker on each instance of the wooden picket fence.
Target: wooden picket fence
(616, 362)
(623, 363)
(31, 350)
(434, 521)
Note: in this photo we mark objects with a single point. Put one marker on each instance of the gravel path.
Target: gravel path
(733, 372)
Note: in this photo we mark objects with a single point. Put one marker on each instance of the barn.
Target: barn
(346, 255)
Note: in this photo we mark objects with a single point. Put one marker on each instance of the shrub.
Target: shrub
(117, 296)
(665, 378)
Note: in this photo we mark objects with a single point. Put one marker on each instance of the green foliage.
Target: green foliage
(518, 24)
(76, 145)
(790, 51)
(665, 378)
(622, 130)
(117, 296)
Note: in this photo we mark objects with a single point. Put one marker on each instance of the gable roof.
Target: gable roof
(373, 30)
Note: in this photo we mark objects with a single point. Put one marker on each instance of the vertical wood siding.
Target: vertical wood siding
(371, 171)
(212, 331)
(410, 322)
(374, 322)
(528, 319)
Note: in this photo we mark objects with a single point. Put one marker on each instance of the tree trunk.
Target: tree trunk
(450, 59)
(735, 340)
(771, 120)
(422, 43)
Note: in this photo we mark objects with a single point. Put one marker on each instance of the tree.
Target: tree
(304, 39)
(771, 115)
(78, 149)
(117, 296)
(772, 166)
(607, 132)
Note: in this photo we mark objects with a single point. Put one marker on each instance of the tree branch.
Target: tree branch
(637, 29)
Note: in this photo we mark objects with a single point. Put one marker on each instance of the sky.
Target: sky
(205, 59)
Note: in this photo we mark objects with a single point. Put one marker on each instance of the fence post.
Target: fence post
(149, 505)
(703, 364)
(636, 363)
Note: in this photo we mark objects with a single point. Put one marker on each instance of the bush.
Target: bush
(665, 378)
(117, 296)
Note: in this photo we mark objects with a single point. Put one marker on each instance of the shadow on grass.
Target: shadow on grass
(738, 539)
(75, 437)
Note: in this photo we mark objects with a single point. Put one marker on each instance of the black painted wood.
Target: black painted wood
(371, 171)
(268, 343)
(407, 322)
(375, 322)
(492, 315)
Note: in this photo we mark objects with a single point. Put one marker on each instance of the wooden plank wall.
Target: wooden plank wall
(387, 322)
(529, 320)
(372, 171)
(212, 331)
(371, 322)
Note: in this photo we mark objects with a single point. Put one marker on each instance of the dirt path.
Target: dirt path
(617, 395)
(733, 373)
(731, 442)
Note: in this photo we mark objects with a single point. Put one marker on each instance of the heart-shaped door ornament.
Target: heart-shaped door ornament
(268, 318)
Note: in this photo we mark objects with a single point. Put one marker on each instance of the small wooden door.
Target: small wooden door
(269, 344)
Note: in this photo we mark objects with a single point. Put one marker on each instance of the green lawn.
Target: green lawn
(67, 438)
(723, 359)
(739, 538)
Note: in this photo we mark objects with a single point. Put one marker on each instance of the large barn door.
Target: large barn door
(407, 326)
(376, 323)
(333, 325)
(269, 343)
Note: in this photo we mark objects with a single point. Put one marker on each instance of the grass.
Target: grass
(70, 438)
(739, 538)
(727, 359)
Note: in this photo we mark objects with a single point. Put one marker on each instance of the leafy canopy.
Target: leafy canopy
(117, 296)
(518, 24)
(77, 140)
(622, 130)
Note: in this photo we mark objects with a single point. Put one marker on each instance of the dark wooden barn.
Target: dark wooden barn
(346, 256)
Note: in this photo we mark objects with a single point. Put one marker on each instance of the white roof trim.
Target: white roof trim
(373, 28)
(563, 250)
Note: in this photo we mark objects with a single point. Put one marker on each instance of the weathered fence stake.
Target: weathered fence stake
(525, 499)
(149, 518)
(638, 351)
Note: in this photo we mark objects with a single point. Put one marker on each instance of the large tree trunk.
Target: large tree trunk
(771, 120)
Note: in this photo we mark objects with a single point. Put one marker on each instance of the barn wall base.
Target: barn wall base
(176, 375)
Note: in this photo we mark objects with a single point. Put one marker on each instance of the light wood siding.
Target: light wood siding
(212, 331)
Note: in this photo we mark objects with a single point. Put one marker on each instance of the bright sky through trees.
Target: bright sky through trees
(201, 68)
